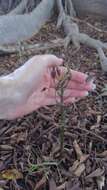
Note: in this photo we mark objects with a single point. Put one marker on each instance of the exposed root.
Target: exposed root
(32, 48)
(17, 28)
(30, 24)
(72, 34)
(20, 8)
(103, 59)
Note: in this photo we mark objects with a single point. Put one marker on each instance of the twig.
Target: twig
(93, 134)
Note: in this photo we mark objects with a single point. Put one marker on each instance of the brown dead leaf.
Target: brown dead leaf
(79, 166)
(79, 170)
(6, 147)
(102, 154)
(104, 91)
(98, 122)
(62, 186)
(52, 184)
(101, 182)
(77, 150)
(77, 163)
(69, 186)
(1, 188)
(11, 174)
(41, 183)
(97, 173)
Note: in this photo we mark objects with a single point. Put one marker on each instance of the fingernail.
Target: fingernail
(53, 73)
(93, 86)
(86, 93)
(61, 60)
(91, 82)
(90, 79)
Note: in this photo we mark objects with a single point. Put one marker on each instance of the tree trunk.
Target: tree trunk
(82, 7)
(92, 7)
(17, 28)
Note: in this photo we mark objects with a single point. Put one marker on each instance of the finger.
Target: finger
(52, 60)
(76, 85)
(75, 93)
(75, 75)
(69, 100)
(70, 96)
(78, 76)
(81, 86)
(67, 93)
(56, 100)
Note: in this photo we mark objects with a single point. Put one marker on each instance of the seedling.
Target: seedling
(60, 87)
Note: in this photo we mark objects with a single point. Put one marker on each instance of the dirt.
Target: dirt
(30, 157)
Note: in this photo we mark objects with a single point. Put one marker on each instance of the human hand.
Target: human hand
(46, 93)
(77, 87)
(32, 86)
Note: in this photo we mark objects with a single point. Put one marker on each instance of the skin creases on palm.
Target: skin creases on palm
(47, 95)
(33, 86)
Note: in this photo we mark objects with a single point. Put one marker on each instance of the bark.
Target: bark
(84, 7)
(32, 48)
(73, 34)
(18, 28)
(92, 7)
(6, 6)
(20, 8)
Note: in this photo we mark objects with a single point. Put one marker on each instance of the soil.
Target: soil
(30, 156)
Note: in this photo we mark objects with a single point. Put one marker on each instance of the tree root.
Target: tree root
(30, 24)
(20, 8)
(11, 49)
(17, 28)
(72, 34)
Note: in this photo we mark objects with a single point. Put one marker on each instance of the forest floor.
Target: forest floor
(30, 147)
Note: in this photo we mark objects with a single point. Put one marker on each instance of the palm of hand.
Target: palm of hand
(46, 94)
(37, 88)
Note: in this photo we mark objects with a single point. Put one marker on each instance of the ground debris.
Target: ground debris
(34, 139)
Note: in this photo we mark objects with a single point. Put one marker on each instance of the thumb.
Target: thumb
(54, 61)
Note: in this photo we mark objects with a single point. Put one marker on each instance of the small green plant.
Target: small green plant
(60, 88)
(36, 167)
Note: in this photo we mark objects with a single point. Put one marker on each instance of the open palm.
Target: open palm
(33, 86)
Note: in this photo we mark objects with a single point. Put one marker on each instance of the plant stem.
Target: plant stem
(62, 86)
(62, 121)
